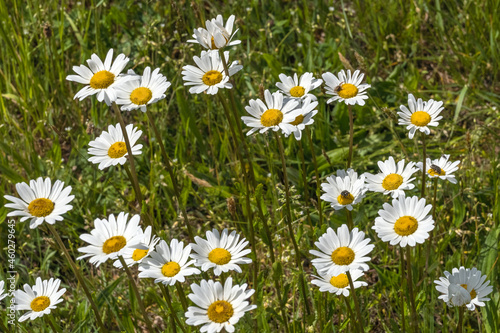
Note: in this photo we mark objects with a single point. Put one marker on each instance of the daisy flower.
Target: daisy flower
(304, 118)
(101, 78)
(40, 201)
(168, 264)
(223, 252)
(299, 88)
(110, 148)
(274, 114)
(405, 222)
(148, 89)
(392, 179)
(420, 115)
(346, 88)
(218, 307)
(210, 75)
(39, 299)
(111, 237)
(136, 255)
(474, 288)
(216, 35)
(2, 290)
(441, 168)
(342, 251)
(345, 190)
(338, 284)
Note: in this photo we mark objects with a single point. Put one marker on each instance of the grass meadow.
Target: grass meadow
(445, 50)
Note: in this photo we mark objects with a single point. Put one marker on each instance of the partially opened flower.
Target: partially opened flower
(338, 284)
(274, 114)
(40, 201)
(299, 88)
(393, 179)
(110, 148)
(133, 255)
(405, 222)
(111, 237)
(210, 75)
(216, 35)
(101, 78)
(223, 252)
(341, 251)
(40, 299)
(344, 190)
(148, 89)
(305, 118)
(441, 168)
(218, 306)
(2, 290)
(346, 88)
(420, 115)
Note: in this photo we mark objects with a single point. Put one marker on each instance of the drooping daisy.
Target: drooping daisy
(134, 256)
(39, 299)
(338, 284)
(101, 78)
(304, 118)
(209, 76)
(472, 282)
(110, 148)
(223, 252)
(168, 264)
(392, 179)
(299, 88)
(341, 251)
(420, 115)
(40, 201)
(137, 94)
(111, 237)
(218, 306)
(344, 190)
(216, 35)
(274, 114)
(346, 88)
(441, 168)
(405, 222)
(2, 290)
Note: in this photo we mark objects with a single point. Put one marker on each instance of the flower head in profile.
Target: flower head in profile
(338, 284)
(420, 116)
(138, 94)
(305, 118)
(393, 178)
(218, 306)
(40, 201)
(101, 78)
(346, 88)
(216, 35)
(344, 190)
(133, 255)
(110, 147)
(274, 114)
(40, 299)
(294, 87)
(221, 251)
(209, 74)
(441, 168)
(2, 290)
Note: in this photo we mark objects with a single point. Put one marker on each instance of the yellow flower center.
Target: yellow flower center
(406, 225)
(219, 256)
(420, 118)
(297, 91)
(141, 95)
(170, 269)
(220, 311)
(343, 256)
(473, 293)
(271, 117)
(436, 171)
(117, 149)
(102, 80)
(392, 182)
(114, 244)
(40, 207)
(212, 77)
(298, 120)
(40, 303)
(139, 254)
(339, 281)
(345, 198)
(347, 90)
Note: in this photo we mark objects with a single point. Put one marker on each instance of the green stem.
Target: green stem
(460, 318)
(318, 184)
(350, 224)
(2, 326)
(356, 302)
(166, 295)
(351, 136)
(424, 168)
(402, 293)
(304, 180)
(431, 238)
(54, 326)
(349, 312)
(414, 323)
(182, 296)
